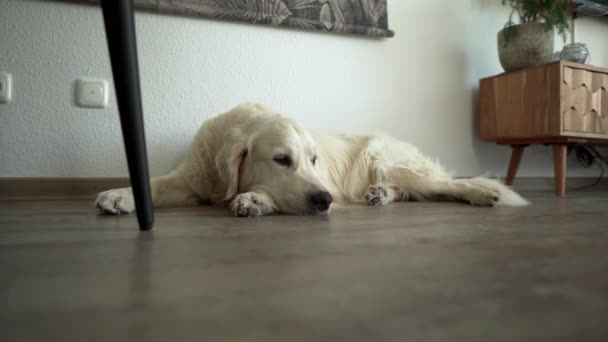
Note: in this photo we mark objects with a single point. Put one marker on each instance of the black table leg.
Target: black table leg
(120, 32)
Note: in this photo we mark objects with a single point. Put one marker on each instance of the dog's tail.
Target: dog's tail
(508, 197)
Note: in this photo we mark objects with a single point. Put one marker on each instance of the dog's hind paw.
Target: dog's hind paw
(484, 198)
(377, 195)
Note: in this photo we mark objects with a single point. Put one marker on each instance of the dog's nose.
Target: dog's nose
(320, 200)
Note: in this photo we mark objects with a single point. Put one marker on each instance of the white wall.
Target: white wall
(419, 86)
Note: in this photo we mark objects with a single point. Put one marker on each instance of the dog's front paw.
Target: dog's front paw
(115, 202)
(249, 204)
(377, 195)
(484, 198)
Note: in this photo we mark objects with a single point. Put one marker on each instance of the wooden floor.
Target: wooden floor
(406, 272)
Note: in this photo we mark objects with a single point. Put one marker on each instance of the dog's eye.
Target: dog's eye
(283, 160)
(314, 160)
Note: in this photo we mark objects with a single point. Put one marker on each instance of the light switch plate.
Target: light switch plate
(92, 93)
(5, 87)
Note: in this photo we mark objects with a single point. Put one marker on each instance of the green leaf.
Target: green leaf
(555, 14)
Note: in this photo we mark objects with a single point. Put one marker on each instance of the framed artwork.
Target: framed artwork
(360, 17)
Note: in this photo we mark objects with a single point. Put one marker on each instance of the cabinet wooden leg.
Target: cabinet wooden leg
(560, 152)
(516, 154)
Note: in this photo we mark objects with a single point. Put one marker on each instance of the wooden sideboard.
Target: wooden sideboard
(558, 104)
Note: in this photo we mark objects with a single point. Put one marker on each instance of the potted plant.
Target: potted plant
(531, 42)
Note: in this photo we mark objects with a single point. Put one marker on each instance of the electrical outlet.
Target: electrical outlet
(5, 87)
(92, 93)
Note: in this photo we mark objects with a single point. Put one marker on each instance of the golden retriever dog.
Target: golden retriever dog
(259, 162)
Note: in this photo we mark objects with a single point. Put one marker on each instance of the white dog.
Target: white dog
(260, 163)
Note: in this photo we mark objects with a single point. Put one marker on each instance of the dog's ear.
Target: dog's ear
(228, 162)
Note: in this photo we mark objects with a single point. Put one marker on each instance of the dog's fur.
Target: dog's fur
(261, 162)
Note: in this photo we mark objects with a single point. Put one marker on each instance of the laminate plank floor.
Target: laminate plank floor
(405, 272)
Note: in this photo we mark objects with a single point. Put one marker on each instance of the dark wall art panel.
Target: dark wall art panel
(361, 17)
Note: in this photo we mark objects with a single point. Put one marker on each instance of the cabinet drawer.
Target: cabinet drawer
(584, 101)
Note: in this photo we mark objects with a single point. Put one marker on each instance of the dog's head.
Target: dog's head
(278, 156)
